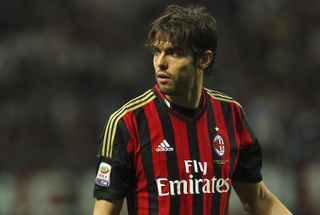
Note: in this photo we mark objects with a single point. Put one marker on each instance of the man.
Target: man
(179, 147)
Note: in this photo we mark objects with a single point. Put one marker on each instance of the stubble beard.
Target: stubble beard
(170, 90)
(180, 87)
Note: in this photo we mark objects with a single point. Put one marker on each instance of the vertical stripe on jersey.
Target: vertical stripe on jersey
(223, 131)
(132, 199)
(183, 154)
(195, 155)
(228, 113)
(204, 139)
(146, 156)
(140, 192)
(237, 126)
(158, 158)
(215, 207)
(172, 163)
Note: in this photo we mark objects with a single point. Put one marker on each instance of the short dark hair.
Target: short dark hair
(191, 26)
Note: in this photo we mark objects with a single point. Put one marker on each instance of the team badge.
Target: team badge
(103, 175)
(218, 145)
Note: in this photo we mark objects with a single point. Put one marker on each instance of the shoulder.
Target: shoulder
(134, 104)
(114, 123)
(216, 95)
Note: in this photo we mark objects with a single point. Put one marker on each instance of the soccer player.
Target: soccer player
(179, 147)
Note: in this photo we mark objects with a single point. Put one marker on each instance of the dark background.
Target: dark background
(66, 65)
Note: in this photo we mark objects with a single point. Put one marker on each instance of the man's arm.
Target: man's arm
(104, 207)
(257, 199)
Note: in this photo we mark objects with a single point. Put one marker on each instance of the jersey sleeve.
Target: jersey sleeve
(249, 164)
(114, 173)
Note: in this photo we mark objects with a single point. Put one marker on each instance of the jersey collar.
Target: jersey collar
(167, 105)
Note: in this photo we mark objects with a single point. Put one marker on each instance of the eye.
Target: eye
(175, 53)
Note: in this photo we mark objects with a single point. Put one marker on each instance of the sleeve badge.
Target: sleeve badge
(103, 175)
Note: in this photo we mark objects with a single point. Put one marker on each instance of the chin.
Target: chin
(166, 90)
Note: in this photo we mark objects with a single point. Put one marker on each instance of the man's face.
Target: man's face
(175, 69)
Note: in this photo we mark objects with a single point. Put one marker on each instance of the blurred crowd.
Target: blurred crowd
(66, 65)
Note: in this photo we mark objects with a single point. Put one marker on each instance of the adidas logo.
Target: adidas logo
(164, 147)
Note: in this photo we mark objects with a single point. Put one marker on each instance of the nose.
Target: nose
(161, 62)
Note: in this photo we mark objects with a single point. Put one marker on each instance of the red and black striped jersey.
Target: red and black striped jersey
(166, 163)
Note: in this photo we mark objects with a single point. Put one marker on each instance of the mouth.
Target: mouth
(163, 77)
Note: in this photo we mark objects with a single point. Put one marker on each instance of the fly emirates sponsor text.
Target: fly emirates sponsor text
(193, 185)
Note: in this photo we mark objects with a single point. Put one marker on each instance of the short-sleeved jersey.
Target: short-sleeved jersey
(166, 163)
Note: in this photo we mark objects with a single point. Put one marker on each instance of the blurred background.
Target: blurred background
(66, 65)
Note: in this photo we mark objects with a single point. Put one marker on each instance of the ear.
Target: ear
(205, 59)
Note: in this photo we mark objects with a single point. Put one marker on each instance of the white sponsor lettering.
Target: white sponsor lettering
(195, 166)
(203, 167)
(160, 184)
(193, 185)
(177, 184)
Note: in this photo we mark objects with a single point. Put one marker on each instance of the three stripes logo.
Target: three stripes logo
(164, 147)
(110, 129)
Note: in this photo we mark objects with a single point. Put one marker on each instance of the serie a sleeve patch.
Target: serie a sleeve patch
(103, 175)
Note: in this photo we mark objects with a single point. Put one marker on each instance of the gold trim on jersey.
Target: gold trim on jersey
(222, 97)
(111, 127)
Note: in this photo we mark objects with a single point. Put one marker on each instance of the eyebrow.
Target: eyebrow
(168, 49)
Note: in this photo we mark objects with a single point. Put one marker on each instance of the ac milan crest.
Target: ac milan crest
(218, 145)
